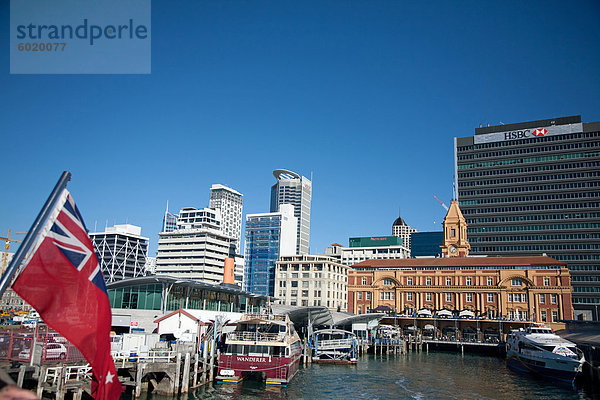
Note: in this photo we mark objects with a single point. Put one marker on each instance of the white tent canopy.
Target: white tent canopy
(424, 312)
(466, 313)
(444, 313)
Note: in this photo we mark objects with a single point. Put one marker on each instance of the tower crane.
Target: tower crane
(442, 203)
(8, 241)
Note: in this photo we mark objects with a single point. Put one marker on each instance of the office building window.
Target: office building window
(448, 281)
(553, 298)
(469, 297)
(409, 281)
(546, 281)
(490, 297)
(516, 282)
(427, 296)
(428, 281)
(469, 281)
(387, 282)
(448, 296)
(542, 298)
(490, 281)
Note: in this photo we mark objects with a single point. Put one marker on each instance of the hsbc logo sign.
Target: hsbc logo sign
(525, 133)
(528, 133)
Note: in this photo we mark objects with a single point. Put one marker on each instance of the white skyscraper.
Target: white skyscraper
(229, 203)
(293, 189)
(197, 248)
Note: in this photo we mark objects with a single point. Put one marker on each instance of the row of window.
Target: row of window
(536, 140)
(534, 188)
(528, 160)
(532, 217)
(526, 150)
(583, 267)
(534, 207)
(530, 170)
(586, 289)
(586, 300)
(316, 293)
(512, 297)
(532, 238)
(524, 228)
(539, 197)
(542, 248)
(530, 178)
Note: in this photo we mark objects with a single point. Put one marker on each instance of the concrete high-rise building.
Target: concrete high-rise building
(197, 248)
(293, 189)
(122, 252)
(402, 230)
(533, 188)
(268, 236)
(229, 203)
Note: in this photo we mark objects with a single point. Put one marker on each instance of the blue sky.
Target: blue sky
(366, 95)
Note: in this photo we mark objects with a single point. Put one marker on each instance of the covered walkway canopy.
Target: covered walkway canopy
(322, 316)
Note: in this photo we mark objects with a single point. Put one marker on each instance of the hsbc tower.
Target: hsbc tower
(533, 188)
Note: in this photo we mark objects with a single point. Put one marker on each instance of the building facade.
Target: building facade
(401, 229)
(426, 244)
(513, 288)
(122, 252)
(229, 202)
(368, 248)
(293, 189)
(532, 188)
(305, 280)
(268, 236)
(197, 248)
(140, 301)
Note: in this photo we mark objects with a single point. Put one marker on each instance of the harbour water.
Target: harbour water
(434, 375)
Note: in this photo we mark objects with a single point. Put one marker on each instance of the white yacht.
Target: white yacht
(539, 351)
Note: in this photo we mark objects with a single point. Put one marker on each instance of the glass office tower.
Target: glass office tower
(268, 236)
(533, 188)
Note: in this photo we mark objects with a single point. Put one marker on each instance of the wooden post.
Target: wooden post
(139, 373)
(60, 388)
(21, 376)
(41, 381)
(195, 381)
(211, 364)
(177, 374)
(77, 395)
(185, 379)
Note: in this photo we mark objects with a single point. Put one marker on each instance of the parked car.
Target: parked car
(53, 351)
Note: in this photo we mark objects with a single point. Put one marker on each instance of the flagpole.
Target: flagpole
(34, 230)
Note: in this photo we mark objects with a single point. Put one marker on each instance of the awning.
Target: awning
(466, 313)
(424, 311)
(444, 313)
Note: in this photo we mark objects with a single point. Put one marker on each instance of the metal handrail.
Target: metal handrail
(256, 336)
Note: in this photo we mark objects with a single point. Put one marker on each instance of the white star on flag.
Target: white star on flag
(109, 378)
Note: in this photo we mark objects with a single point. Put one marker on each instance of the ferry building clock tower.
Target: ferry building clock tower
(455, 233)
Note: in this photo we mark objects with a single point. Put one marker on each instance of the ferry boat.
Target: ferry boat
(334, 346)
(538, 351)
(262, 346)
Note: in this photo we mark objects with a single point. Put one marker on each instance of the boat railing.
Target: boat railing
(256, 336)
(272, 317)
(335, 343)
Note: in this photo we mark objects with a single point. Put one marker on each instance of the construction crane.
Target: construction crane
(441, 202)
(8, 241)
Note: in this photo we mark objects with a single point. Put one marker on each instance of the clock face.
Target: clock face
(452, 249)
